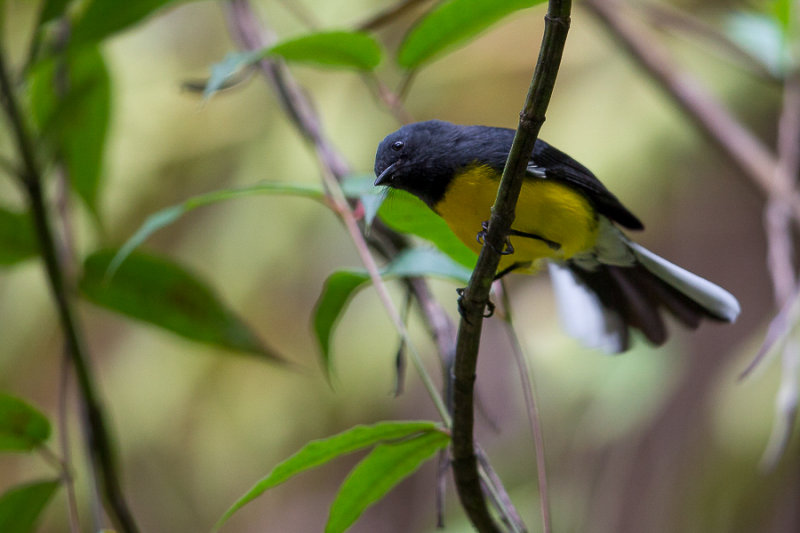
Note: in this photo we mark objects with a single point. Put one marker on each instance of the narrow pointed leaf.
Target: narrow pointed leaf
(417, 262)
(332, 49)
(386, 466)
(338, 49)
(407, 214)
(22, 427)
(321, 451)
(167, 216)
(160, 292)
(337, 291)
(70, 102)
(17, 240)
(103, 18)
(21, 506)
(342, 285)
(450, 23)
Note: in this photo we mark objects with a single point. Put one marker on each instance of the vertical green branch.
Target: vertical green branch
(476, 296)
(99, 441)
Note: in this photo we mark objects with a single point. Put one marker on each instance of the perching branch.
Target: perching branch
(476, 295)
(98, 437)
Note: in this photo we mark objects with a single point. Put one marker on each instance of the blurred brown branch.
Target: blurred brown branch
(780, 254)
(775, 174)
(253, 36)
(667, 17)
(748, 153)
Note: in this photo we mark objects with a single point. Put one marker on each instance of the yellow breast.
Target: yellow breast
(546, 208)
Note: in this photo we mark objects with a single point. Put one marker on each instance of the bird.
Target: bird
(566, 220)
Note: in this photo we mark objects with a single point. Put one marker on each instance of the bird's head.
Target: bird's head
(415, 159)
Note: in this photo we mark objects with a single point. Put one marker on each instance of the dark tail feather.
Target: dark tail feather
(638, 297)
(599, 305)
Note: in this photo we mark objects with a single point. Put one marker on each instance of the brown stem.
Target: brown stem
(476, 295)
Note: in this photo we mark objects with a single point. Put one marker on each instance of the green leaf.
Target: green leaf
(103, 18)
(169, 215)
(75, 118)
(405, 213)
(17, 240)
(331, 48)
(337, 291)
(84, 144)
(342, 285)
(783, 11)
(386, 466)
(426, 262)
(450, 23)
(22, 427)
(21, 506)
(321, 451)
(158, 291)
(340, 49)
(52, 9)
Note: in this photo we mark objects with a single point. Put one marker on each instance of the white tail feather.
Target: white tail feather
(583, 315)
(713, 298)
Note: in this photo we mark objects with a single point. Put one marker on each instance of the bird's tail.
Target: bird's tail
(599, 305)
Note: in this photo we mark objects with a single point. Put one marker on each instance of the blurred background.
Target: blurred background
(653, 440)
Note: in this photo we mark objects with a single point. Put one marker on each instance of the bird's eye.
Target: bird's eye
(398, 145)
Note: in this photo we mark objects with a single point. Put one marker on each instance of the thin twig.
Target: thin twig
(476, 295)
(388, 15)
(63, 438)
(663, 16)
(98, 437)
(502, 501)
(781, 266)
(390, 99)
(532, 409)
(63, 468)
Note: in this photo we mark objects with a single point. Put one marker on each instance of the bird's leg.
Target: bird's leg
(551, 244)
(511, 268)
(508, 249)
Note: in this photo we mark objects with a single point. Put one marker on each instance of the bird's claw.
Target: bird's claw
(508, 248)
(490, 307)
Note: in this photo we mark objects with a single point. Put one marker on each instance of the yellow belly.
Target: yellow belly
(546, 208)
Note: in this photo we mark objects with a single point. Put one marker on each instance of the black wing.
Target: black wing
(560, 167)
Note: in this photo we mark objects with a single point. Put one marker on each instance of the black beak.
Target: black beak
(386, 176)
